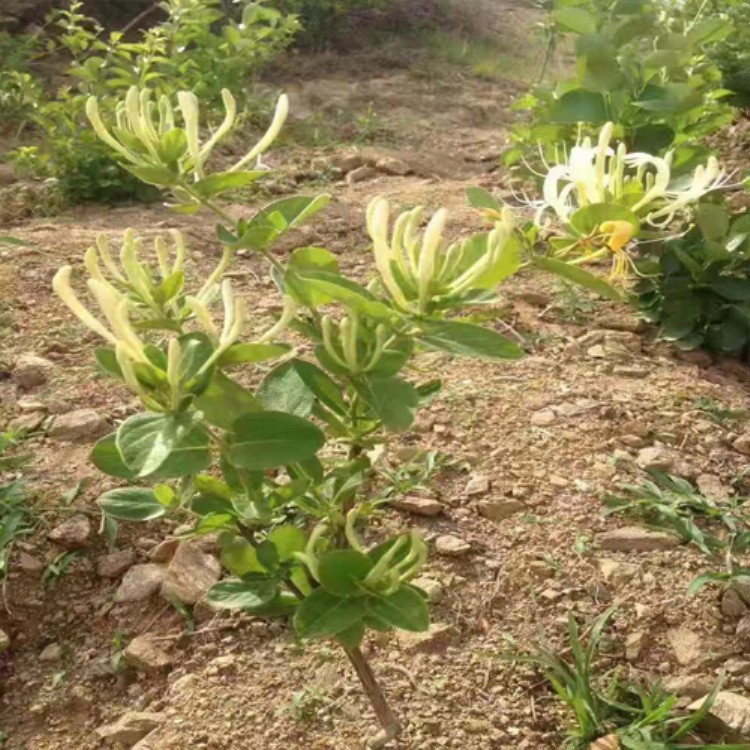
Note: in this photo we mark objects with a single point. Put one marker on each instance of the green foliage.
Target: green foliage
(640, 64)
(604, 706)
(196, 47)
(323, 21)
(696, 287)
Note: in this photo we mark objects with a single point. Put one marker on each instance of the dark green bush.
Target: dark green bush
(697, 287)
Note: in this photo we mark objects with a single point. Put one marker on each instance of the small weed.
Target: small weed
(15, 519)
(56, 569)
(305, 704)
(572, 303)
(410, 475)
(718, 412)
(604, 706)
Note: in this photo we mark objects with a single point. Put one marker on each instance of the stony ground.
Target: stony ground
(520, 540)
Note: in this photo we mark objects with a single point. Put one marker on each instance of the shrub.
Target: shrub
(640, 64)
(292, 525)
(697, 287)
(195, 47)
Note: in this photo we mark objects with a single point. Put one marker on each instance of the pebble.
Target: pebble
(742, 444)
(478, 484)
(52, 652)
(732, 605)
(4, 641)
(635, 645)
(499, 510)
(636, 539)
(431, 587)
(79, 426)
(452, 546)
(361, 174)
(190, 574)
(131, 727)
(140, 582)
(655, 458)
(115, 564)
(419, 506)
(145, 655)
(690, 685)
(71, 534)
(543, 418)
(728, 717)
(31, 371)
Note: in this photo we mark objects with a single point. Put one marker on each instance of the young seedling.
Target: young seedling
(279, 473)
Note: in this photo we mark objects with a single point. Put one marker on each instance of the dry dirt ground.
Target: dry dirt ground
(552, 431)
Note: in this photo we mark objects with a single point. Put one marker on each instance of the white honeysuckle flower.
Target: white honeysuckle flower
(203, 316)
(638, 181)
(415, 269)
(289, 310)
(146, 121)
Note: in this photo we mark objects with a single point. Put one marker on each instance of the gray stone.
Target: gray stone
(190, 574)
(30, 422)
(28, 563)
(4, 641)
(143, 654)
(52, 652)
(499, 510)
(543, 418)
(361, 174)
(743, 629)
(478, 484)
(742, 586)
(164, 551)
(71, 534)
(346, 162)
(636, 539)
(728, 719)
(732, 605)
(616, 572)
(438, 636)
(635, 645)
(140, 583)
(431, 587)
(742, 444)
(737, 666)
(393, 166)
(79, 426)
(696, 649)
(32, 371)
(115, 564)
(711, 487)
(690, 685)
(131, 727)
(420, 506)
(625, 371)
(655, 458)
(451, 546)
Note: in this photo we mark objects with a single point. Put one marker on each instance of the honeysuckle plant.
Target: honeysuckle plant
(278, 472)
(600, 199)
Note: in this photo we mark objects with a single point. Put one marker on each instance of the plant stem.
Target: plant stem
(386, 717)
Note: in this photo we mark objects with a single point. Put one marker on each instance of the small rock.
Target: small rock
(28, 563)
(623, 341)
(616, 572)
(557, 481)
(420, 506)
(190, 574)
(655, 458)
(499, 510)
(636, 539)
(143, 654)
(737, 666)
(534, 298)
(431, 587)
(621, 323)
(743, 629)
(729, 717)
(741, 585)
(53, 652)
(7, 175)
(164, 551)
(361, 174)
(79, 426)
(690, 686)
(204, 610)
(28, 422)
(438, 636)
(451, 546)
(624, 371)
(32, 371)
(4, 641)
(140, 583)
(543, 418)
(71, 534)
(131, 727)
(635, 645)
(711, 487)
(478, 484)
(346, 162)
(732, 605)
(694, 649)
(597, 351)
(30, 405)
(742, 444)
(115, 564)
(391, 165)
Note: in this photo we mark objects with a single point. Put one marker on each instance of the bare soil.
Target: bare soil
(454, 690)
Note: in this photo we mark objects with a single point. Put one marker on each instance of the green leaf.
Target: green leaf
(579, 276)
(310, 259)
(734, 289)
(160, 176)
(250, 594)
(483, 199)
(107, 458)
(131, 504)
(393, 400)
(287, 539)
(405, 609)
(242, 354)
(713, 221)
(588, 219)
(575, 19)
(173, 445)
(336, 288)
(580, 106)
(240, 557)
(6, 239)
(107, 360)
(265, 440)
(342, 571)
(321, 385)
(221, 182)
(467, 340)
(284, 390)
(321, 614)
(352, 636)
(223, 402)
(277, 218)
